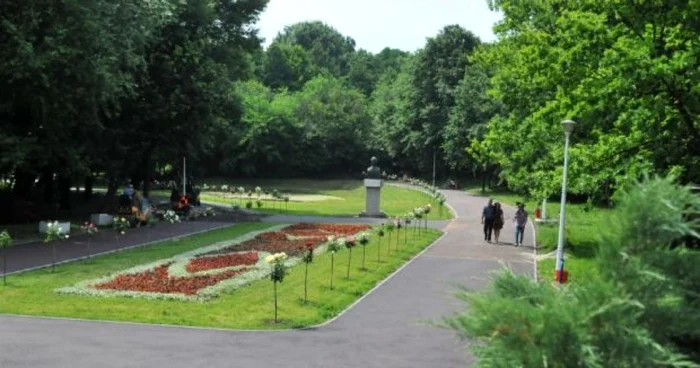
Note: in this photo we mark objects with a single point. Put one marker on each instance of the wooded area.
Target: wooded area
(124, 89)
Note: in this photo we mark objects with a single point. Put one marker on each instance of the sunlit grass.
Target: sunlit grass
(250, 307)
(350, 199)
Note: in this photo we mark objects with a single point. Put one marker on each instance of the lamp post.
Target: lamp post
(559, 274)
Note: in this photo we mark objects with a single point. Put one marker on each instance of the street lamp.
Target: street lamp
(559, 273)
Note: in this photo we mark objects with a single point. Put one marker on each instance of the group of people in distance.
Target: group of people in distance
(493, 221)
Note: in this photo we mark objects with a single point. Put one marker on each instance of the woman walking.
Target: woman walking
(498, 221)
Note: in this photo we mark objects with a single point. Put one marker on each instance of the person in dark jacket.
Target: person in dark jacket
(498, 221)
(488, 215)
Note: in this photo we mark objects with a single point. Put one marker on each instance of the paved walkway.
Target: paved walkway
(38, 254)
(388, 328)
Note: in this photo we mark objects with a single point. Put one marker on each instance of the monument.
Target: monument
(373, 187)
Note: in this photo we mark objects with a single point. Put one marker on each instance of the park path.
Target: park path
(38, 254)
(390, 327)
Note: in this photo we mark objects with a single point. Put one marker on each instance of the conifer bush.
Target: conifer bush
(642, 311)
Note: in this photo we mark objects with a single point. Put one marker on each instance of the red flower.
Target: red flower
(157, 280)
(222, 261)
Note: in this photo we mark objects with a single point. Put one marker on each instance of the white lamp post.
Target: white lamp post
(559, 265)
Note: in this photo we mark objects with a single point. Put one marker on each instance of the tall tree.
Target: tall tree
(627, 72)
(440, 67)
(64, 66)
(327, 48)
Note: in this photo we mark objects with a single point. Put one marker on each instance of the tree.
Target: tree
(472, 111)
(286, 66)
(363, 73)
(64, 66)
(267, 139)
(623, 71)
(335, 124)
(440, 67)
(327, 49)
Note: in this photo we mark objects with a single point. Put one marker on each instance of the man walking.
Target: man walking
(520, 219)
(488, 215)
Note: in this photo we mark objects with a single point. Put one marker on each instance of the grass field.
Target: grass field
(350, 198)
(583, 225)
(249, 307)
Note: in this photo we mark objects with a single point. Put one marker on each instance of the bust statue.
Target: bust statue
(374, 172)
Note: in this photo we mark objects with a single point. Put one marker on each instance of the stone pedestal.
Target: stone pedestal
(373, 188)
(101, 219)
(64, 227)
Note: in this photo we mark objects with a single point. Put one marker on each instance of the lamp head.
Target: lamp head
(568, 125)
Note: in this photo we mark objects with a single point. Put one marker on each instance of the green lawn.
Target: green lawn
(583, 225)
(249, 307)
(498, 195)
(351, 198)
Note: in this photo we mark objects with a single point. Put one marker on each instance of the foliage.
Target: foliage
(5, 239)
(641, 311)
(624, 71)
(113, 86)
(279, 270)
(54, 233)
(120, 225)
(171, 216)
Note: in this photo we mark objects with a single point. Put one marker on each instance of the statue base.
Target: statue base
(373, 188)
(373, 215)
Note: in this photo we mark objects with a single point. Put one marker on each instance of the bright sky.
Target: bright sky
(375, 24)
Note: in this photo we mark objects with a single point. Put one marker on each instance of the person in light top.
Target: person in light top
(520, 220)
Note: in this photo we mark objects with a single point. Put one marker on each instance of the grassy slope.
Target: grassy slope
(394, 201)
(583, 227)
(250, 307)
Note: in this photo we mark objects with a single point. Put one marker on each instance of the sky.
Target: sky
(376, 24)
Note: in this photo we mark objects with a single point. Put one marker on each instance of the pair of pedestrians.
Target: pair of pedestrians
(493, 221)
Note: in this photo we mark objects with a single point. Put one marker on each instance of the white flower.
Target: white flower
(277, 257)
(331, 238)
(258, 189)
(123, 232)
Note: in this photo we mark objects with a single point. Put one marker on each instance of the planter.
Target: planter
(101, 219)
(63, 226)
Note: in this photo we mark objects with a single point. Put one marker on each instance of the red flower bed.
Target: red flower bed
(291, 247)
(275, 235)
(315, 234)
(157, 280)
(222, 261)
(327, 229)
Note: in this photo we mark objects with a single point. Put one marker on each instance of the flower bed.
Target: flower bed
(204, 273)
(158, 280)
(222, 261)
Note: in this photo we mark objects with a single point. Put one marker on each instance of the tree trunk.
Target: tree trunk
(87, 194)
(109, 196)
(47, 182)
(64, 184)
(24, 181)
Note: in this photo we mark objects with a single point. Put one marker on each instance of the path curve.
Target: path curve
(388, 328)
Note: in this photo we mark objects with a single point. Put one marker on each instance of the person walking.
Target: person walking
(498, 221)
(520, 219)
(487, 218)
